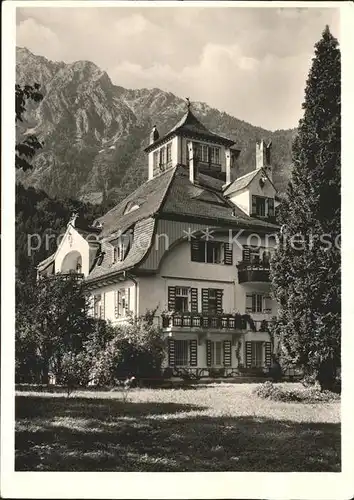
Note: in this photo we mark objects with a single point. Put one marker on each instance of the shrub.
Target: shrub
(136, 349)
(307, 395)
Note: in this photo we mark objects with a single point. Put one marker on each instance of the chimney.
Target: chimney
(192, 162)
(228, 166)
(154, 135)
(263, 154)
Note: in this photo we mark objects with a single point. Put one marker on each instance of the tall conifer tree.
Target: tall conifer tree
(306, 265)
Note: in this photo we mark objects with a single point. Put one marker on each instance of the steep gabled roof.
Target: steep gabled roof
(241, 182)
(183, 200)
(46, 262)
(189, 125)
(148, 197)
(244, 181)
(142, 239)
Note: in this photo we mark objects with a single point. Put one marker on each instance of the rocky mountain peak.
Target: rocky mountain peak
(95, 131)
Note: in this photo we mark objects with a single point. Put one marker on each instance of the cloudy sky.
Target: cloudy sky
(250, 62)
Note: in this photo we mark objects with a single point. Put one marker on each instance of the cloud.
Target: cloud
(40, 36)
(250, 62)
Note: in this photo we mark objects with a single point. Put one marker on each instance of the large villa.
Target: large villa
(193, 241)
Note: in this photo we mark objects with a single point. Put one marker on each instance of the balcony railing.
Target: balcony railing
(253, 271)
(214, 322)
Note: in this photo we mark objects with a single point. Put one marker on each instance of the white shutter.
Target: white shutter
(103, 306)
(127, 300)
(116, 307)
(267, 304)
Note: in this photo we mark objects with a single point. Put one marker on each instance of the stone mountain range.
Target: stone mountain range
(94, 132)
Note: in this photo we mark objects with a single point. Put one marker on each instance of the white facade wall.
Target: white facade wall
(243, 198)
(174, 155)
(110, 297)
(73, 242)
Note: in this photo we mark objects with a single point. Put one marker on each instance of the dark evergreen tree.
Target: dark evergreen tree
(306, 264)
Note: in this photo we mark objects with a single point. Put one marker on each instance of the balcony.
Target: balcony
(251, 272)
(225, 322)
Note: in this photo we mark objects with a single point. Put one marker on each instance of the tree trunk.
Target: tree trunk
(45, 373)
(326, 375)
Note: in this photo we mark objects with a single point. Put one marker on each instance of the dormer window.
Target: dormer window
(119, 252)
(121, 248)
(130, 207)
(262, 206)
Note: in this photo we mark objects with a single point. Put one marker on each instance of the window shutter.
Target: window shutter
(268, 353)
(254, 205)
(205, 300)
(116, 298)
(249, 302)
(208, 352)
(103, 306)
(253, 353)
(171, 352)
(270, 207)
(248, 354)
(219, 294)
(227, 254)
(227, 353)
(195, 250)
(194, 300)
(193, 353)
(171, 298)
(246, 254)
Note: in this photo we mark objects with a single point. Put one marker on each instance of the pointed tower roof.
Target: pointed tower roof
(190, 126)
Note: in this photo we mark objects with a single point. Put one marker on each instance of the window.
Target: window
(121, 247)
(212, 302)
(256, 255)
(169, 152)
(118, 252)
(182, 299)
(257, 354)
(130, 207)
(215, 156)
(162, 158)
(258, 303)
(216, 353)
(212, 299)
(206, 154)
(262, 207)
(181, 352)
(98, 306)
(121, 302)
(211, 252)
(156, 162)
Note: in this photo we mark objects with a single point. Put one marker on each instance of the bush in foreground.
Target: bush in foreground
(304, 395)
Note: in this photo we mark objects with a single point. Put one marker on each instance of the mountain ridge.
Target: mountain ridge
(94, 132)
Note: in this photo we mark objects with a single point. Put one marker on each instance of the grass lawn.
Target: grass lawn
(208, 428)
